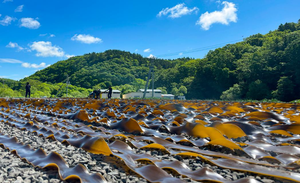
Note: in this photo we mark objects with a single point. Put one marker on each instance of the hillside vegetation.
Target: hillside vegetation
(12, 88)
(260, 67)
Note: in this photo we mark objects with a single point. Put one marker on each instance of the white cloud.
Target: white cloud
(4, 1)
(85, 38)
(45, 49)
(151, 56)
(180, 53)
(147, 50)
(19, 8)
(69, 56)
(7, 20)
(50, 35)
(225, 16)
(30, 23)
(36, 66)
(177, 11)
(24, 64)
(28, 49)
(14, 45)
(136, 50)
(10, 60)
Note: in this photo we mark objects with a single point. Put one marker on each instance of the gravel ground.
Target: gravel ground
(12, 169)
(73, 155)
(197, 163)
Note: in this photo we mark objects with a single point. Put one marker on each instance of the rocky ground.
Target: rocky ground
(111, 167)
(13, 169)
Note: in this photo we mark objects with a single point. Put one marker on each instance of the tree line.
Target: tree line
(259, 67)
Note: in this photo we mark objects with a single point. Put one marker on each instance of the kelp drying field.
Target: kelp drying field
(84, 140)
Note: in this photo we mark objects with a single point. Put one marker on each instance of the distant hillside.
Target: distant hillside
(260, 67)
(112, 66)
(9, 82)
(123, 70)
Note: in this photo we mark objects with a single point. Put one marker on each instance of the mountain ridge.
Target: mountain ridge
(260, 67)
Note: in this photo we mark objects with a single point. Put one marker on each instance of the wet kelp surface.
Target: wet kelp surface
(259, 139)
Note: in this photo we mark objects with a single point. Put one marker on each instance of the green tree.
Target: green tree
(163, 90)
(258, 90)
(233, 93)
(182, 90)
(138, 84)
(6, 92)
(285, 89)
(175, 91)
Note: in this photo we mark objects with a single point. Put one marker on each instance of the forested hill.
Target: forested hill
(112, 67)
(261, 66)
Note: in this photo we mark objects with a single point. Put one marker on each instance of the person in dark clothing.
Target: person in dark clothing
(27, 90)
(109, 92)
(96, 94)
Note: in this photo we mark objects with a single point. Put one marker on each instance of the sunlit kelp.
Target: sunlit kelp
(246, 137)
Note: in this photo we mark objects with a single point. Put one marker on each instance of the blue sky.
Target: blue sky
(37, 33)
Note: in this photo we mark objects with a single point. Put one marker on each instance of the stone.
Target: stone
(40, 179)
(92, 163)
(11, 175)
(27, 180)
(114, 172)
(19, 178)
(234, 176)
(267, 180)
(44, 177)
(83, 160)
(54, 181)
(228, 176)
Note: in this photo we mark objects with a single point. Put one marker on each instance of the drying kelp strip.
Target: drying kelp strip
(95, 145)
(159, 142)
(261, 136)
(122, 147)
(132, 165)
(154, 172)
(240, 166)
(170, 145)
(202, 174)
(40, 159)
(280, 149)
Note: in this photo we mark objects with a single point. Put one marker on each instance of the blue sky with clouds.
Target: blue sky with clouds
(37, 33)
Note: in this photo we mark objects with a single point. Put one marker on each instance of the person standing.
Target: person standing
(97, 94)
(27, 90)
(109, 92)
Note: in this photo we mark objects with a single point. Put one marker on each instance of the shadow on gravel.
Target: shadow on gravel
(52, 173)
(113, 166)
